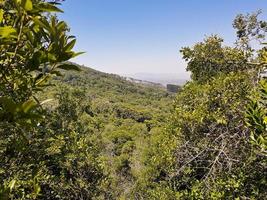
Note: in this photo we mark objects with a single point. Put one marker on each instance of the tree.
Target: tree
(34, 45)
(209, 121)
(248, 29)
(210, 58)
(214, 159)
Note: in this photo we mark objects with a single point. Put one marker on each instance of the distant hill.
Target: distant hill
(163, 78)
(114, 89)
(96, 79)
(144, 82)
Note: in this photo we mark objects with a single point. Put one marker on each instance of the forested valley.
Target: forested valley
(71, 132)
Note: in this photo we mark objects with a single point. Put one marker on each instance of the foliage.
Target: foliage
(210, 121)
(34, 45)
(92, 135)
(210, 58)
(256, 112)
(213, 155)
(123, 120)
(248, 29)
(256, 118)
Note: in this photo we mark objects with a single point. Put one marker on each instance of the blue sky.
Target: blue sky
(132, 36)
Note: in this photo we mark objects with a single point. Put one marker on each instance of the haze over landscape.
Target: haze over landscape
(133, 37)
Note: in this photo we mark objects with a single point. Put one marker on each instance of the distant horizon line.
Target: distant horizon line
(133, 73)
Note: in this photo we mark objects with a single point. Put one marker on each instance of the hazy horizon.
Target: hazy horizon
(162, 78)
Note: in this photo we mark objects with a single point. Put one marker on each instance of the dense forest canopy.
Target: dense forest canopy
(71, 132)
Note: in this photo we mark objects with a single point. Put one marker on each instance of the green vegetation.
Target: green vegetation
(71, 132)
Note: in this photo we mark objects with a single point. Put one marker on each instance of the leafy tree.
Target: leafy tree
(210, 58)
(215, 159)
(34, 44)
(249, 29)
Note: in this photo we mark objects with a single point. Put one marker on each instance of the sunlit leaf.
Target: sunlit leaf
(70, 45)
(12, 184)
(28, 105)
(48, 7)
(77, 54)
(67, 66)
(26, 4)
(1, 15)
(7, 31)
(42, 23)
(46, 101)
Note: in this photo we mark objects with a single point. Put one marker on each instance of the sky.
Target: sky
(145, 36)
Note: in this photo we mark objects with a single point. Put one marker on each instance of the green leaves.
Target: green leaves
(8, 105)
(256, 116)
(17, 110)
(250, 29)
(68, 66)
(45, 41)
(48, 7)
(41, 22)
(26, 4)
(34, 46)
(70, 45)
(27, 106)
(210, 58)
(12, 184)
(1, 15)
(7, 32)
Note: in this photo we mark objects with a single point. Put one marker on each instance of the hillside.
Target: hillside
(120, 116)
(114, 90)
